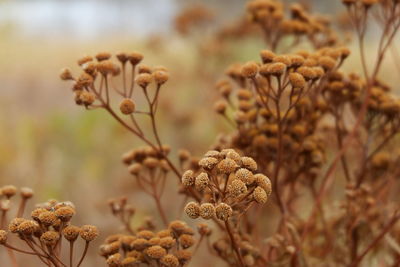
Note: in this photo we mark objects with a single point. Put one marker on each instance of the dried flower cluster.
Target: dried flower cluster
(297, 118)
(42, 235)
(169, 247)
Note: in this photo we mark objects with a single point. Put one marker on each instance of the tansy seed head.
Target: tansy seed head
(87, 98)
(220, 106)
(65, 213)
(183, 256)
(71, 232)
(297, 80)
(89, 232)
(47, 218)
(167, 242)
(143, 79)
(103, 56)
(186, 241)
(13, 225)
(208, 163)
(122, 57)
(207, 211)
(307, 72)
(236, 188)
(135, 58)
(160, 77)
(105, 67)
(146, 234)
(250, 69)
(127, 106)
(188, 178)
(192, 209)
(227, 166)
(169, 260)
(3, 237)
(65, 74)
(114, 260)
(27, 227)
(203, 229)
(267, 56)
(201, 181)
(263, 182)
(26, 192)
(249, 163)
(223, 211)
(84, 60)
(260, 195)
(8, 191)
(245, 175)
(178, 227)
(156, 252)
(50, 238)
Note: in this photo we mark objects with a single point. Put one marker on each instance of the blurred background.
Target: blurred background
(63, 152)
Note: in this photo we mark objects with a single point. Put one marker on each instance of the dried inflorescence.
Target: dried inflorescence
(168, 247)
(294, 117)
(50, 222)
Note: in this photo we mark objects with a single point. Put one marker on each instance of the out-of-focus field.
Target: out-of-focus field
(61, 151)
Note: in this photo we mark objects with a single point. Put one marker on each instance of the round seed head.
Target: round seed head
(84, 60)
(192, 209)
(65, 213)
(151, 163)
(103, 56)
(47, 218)
(144, 69)
(14, 224)
(267, 56)
(236, 188)
(26, 192)
(167, 242)
(223, 211)
(3, 237)
(249, 163)
(65, 74)
(169, 260)
(208, 163)
(188, 178)
(50, 238)
(36, 213)
(297, 80)
(234, 156)
(227, 166)
(87, 98)
(201, 181)
(135, 58)
(129, 262)
(160, 77)
(250, 69)
(183, 256)
(178, 227)
(276, 69)
(156, 252)
(259, 195)
(140, 244)
(135, 168)
(220, 106)
(114, 260)
(71, 232)
(245, 175)
(143, 79)
(207, 211)
(127, 106)
(186, 241)
(8, 191)
(146, 234)
(283, 59)
(264, 182)
(106, 67)
(89, 232)
(307, 72)
(327, 63)
(27, 227)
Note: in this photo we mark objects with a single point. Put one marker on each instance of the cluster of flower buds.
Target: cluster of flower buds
(169, 247)
(227, 182)
(49, 223)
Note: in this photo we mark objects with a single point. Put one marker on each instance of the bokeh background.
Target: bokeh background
(63, 152)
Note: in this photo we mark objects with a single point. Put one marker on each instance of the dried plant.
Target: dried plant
(301, 127)
(42, 235)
